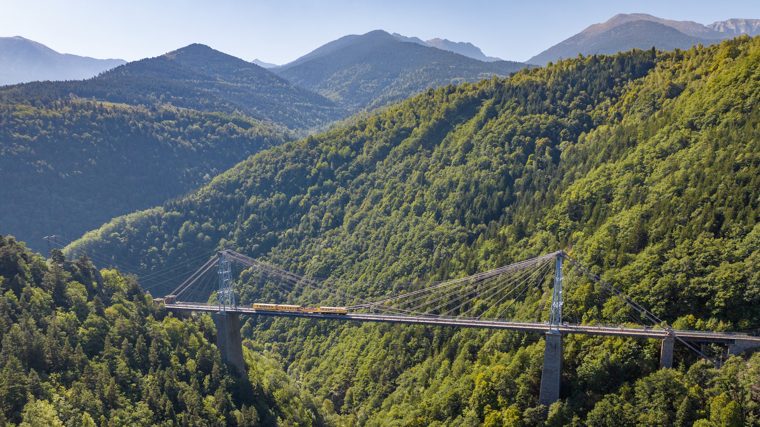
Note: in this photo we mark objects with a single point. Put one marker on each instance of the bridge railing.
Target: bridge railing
(571, 326)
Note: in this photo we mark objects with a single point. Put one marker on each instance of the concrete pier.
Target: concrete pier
(551, 376)
(228, 340)
(739, 346)
(666, 353)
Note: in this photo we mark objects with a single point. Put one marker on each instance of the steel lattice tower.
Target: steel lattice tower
(555, 321)
(226, 292)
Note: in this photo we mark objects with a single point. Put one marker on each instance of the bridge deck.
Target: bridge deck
(695, 336)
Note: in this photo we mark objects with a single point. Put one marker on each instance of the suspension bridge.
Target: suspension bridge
(495, 299)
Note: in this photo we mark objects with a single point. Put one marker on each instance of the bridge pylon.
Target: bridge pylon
(228, 339)
(551, 375)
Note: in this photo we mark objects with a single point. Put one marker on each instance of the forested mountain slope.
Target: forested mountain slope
(86, 348)
(373, 69)
(645, 163)
(199, 78)
(70, 166)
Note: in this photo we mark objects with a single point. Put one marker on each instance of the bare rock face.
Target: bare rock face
(737, 27)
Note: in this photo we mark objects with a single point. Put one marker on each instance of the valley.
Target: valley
(377, 166)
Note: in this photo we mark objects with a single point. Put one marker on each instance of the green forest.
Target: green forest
(644, 165)
(86, 348)
(199, 78)
(375, 69)
(70, 165)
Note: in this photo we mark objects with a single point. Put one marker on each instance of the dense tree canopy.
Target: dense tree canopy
(373, 69)
(69, 166)
(644, 163)
(82, 347)
(199, 78)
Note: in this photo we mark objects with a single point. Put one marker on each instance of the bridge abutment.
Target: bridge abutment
(551, 376)
(666, 353)
(229, 341)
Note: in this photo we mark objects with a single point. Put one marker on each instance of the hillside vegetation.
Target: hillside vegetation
(368, 71)
(70, 166)
(646, 164)
(86, 348)
(199, 78)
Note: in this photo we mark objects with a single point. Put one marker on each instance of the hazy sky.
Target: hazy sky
(280, 31)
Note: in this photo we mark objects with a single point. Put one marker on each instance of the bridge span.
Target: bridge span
(452, 303)
(565, 329)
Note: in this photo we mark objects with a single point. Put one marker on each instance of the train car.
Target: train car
(332, 310)
(299, 309)
(259, 306)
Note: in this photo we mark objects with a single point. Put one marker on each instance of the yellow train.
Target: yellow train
(299, 309)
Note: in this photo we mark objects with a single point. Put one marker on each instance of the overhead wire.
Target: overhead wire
(465, 280)
(527, 279)
(152, 275)
(181, 288)
(121, 264)
(444, 292)
(548, 268)
(495, 285)
(521, 274)
(646, 313)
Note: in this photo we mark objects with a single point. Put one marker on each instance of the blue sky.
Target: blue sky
(282, 30)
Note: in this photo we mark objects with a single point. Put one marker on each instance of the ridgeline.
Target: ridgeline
(646, 164)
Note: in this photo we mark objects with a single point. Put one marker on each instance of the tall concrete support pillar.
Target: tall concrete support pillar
(552, 372)
(740, 345)
(228, 340)
(666, 353)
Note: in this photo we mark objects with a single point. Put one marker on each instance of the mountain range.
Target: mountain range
(644, 164)
(639, 30)
(462, 48)
(183, 104)
(373, 69)
(199, 78)
(23, 60)
(263, 64)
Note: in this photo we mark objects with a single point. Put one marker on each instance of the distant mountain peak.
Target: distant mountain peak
(463, 48)
(23, 60)
(410, 39)
(737, 27)
(263, 64)
(373, 69)
(640, 30)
